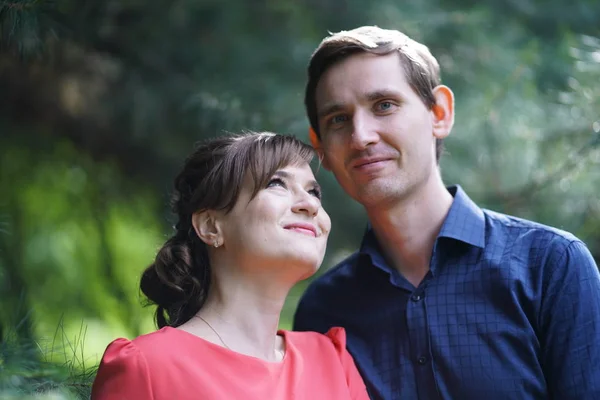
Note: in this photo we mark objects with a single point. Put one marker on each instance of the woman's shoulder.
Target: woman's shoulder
(336, 333)
(152, 339)
(123, 368)
(154, 345)
(329, 356)
(333, 339)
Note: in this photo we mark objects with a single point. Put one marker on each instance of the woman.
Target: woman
(250, 226)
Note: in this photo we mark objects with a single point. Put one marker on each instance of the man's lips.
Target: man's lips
(304, 228)
(364, 162)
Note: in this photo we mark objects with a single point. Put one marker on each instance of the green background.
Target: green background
(100, 101)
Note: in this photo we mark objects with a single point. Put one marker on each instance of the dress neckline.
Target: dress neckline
(230, 352)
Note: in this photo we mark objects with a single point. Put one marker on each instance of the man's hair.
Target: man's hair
(421, 68)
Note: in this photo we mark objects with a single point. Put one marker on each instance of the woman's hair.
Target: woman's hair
(211, 179)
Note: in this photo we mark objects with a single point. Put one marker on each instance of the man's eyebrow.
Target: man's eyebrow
(330, 109)
(371, 96)
(381, 94)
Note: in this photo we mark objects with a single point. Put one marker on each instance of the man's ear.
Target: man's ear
(316, 144)
(443, 111)
(206, 227)
(322, 158)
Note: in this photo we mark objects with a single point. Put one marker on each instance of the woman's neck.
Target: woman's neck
(242, 313)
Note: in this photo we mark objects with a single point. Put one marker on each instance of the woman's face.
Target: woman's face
(283, 225)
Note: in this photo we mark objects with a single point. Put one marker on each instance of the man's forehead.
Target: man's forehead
(361, 76)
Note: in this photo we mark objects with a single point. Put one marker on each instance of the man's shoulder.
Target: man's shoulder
(344, 271)
(512, 229)
(335, 281)
(328, 300)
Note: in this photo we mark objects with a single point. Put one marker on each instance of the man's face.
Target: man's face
(377, 135)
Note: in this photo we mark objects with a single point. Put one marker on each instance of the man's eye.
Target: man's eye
(338, 119)
(384, 105)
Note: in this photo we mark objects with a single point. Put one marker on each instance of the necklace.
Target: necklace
(279, 353)
(215, 331)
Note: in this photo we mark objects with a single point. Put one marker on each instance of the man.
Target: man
(443, 300)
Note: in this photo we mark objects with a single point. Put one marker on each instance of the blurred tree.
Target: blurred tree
(101, 101)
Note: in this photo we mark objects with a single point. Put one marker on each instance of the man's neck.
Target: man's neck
(407, 231)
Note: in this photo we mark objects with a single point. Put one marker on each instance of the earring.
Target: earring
(216, 243)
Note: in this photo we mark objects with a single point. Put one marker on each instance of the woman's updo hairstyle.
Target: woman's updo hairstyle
(211, 179)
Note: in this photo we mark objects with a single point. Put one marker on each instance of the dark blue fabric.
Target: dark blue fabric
(509, 310)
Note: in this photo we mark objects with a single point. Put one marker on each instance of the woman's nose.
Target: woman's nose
(307, 203)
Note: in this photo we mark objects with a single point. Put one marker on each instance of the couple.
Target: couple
(443, 300)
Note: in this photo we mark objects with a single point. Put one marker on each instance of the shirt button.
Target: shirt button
(417, 297)
(422, 360)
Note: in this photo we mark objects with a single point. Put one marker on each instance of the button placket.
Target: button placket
(416, 297)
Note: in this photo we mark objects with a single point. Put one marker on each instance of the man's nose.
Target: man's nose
(364, 132)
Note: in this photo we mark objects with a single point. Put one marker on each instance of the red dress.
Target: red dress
(171, 364)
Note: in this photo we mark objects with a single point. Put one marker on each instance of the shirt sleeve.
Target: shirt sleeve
(123, 374)
(356, 384)
(570, 324)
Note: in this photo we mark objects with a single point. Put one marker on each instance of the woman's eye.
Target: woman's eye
(276, 182)
(316, 192)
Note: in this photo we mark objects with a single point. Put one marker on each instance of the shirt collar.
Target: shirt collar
(465, 222)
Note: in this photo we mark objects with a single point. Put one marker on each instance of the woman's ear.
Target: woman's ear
(443, 111)
(206, 227)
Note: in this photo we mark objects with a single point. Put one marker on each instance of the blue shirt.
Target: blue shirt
(510, 309)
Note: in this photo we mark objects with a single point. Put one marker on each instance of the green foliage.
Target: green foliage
(101, 100)
(30, 371)
(28, 26)
(77, 241)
